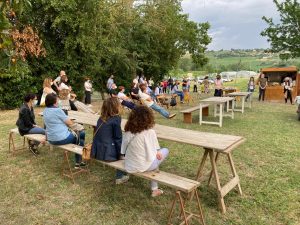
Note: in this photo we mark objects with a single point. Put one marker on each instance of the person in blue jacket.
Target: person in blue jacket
(108, 136)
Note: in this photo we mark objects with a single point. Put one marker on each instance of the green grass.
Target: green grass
(33, 191)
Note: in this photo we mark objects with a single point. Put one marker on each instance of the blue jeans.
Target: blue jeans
(120, 174)
(159, 109)
(128, 104)
(71, 139)
(180, 94)
(36, 130)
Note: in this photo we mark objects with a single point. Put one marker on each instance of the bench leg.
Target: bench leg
(69, 169)
(184, 215)
(187, 117)
(68, 172)
(11, 144)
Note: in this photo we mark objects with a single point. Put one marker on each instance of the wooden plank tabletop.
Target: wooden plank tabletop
(217, 100)
(218, 142)
(239, 93)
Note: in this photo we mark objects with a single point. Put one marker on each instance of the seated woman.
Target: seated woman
(108, 136)
(124, 99)
(147, 100)
(26, 121)
(140, 145)
(65, 95)
(57, 123)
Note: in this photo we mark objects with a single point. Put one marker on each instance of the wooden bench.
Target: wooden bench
(180, 184)
(11, 142)
(66, 167)
(187, 113)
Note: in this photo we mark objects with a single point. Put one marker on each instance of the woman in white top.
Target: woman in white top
(140, 145)
(46, 90)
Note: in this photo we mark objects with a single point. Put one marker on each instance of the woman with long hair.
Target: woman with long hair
(108, 136)
(140, 145)
(47, 89)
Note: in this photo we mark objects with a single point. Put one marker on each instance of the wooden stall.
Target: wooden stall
(275, 77)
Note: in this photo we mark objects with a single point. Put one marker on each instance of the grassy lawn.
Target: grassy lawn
(33, 191)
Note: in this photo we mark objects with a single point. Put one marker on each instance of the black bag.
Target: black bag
(173, 101)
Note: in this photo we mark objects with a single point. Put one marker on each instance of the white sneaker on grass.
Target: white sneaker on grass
(122, 180)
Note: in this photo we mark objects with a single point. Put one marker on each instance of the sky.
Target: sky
(234, 23)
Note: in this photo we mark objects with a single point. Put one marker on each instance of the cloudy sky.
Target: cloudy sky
(234, 23)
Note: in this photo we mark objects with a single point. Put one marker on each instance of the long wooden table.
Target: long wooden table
(243, 95)
(213, 144)
(217, 101)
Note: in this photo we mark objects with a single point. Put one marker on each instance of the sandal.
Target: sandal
(156, 193)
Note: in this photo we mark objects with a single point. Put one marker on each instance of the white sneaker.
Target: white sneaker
(122, 180)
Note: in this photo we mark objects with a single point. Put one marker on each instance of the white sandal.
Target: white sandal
(156, 193)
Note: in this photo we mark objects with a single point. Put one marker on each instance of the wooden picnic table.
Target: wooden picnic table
(213, 144)
(217, 101)
(242, 95)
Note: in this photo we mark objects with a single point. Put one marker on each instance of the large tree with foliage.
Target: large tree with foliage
(285, 36)
(98, 37)
(18, 41)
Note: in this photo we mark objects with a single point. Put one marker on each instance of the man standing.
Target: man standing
(57, 81)
(263, 83)
(109, 83)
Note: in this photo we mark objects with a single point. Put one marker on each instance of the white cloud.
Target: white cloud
(234, 23)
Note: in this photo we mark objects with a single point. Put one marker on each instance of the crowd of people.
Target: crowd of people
(138, 146)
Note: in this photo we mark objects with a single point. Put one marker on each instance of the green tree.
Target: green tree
(285, 36)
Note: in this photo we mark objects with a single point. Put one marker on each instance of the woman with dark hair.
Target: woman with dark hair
(57, 124)
(108, 136)
(140, 145)
(26, 121)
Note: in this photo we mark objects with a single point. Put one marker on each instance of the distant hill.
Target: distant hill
(234, 60)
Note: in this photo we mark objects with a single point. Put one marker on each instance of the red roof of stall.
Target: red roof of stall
(280, 69)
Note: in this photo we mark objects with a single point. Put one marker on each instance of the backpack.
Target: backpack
(173, 101)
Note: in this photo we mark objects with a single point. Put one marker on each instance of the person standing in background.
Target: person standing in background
(287, 89)
(251, 86)
(109, 83)
(206, 85)
(218, 86)
(57, 81)
(194, 83)
(165, 85)
(88, 91)
(263, 83)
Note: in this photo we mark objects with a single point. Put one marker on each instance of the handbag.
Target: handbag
(173, 101)
(87, 149)
(42, 102)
